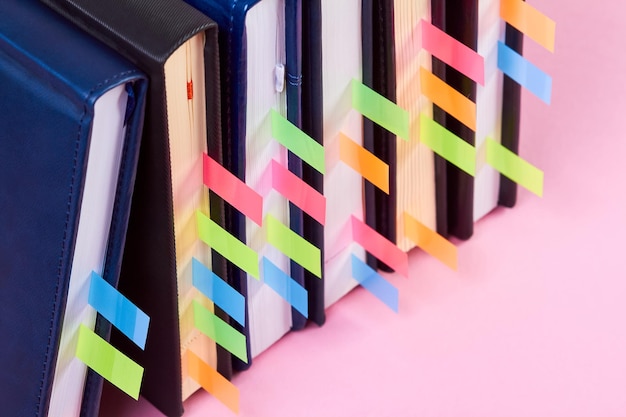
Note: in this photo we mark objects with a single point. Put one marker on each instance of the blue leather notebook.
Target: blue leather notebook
(71, 114)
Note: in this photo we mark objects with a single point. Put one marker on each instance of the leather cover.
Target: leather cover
(47, 96)
(147, 32)
(379, 73)
(511, 107)
(461, 23)
(313, 125)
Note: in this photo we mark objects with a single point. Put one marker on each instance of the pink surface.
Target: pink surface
(532, 324)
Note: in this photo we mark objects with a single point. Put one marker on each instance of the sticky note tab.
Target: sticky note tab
(380, 110)
(454, 53)
(233, 190)
(212, 382)
(227, 245)
(219, 331)
(118, 310)
(430, 241)
(108, 362)
(307, 198)
(368, 165)
(380, 247)
(374, 283)
(286, 287)
(529, 21)
(524, 72)
(513, 167)
(298, 142)
(447, 145)
(294, 246)
(450, 100)
(217, 290)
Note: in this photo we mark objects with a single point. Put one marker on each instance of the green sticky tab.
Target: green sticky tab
(298, 142)
(109, 362)
(513, 167)
(227, 245)
(219, 331)
(293, 245)
(380, 110)
(447, 145)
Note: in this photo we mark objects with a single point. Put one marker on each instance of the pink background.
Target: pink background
(533, 323)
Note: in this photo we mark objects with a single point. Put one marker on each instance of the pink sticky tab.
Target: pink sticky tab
(380, 247)
(299, 192)
(233, 190)
(453, 52)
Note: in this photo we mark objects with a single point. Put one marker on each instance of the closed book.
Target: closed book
(71, 115)
(177, 47)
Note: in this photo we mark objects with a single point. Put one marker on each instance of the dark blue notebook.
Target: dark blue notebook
(71, 114)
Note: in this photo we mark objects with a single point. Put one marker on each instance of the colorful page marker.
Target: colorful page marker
(294, 246)
(529, 21)
(452, 52)
(212, 382)
(227, 245)
(233, 190)
(513, 167)
(368, 165)
(298, 142)
(219, 331)
(307, 198)
(450, 100)
(108, 362)
(374, 283)
(524, 72)
(447, 145)
(380, 247)
(380, 110)
(430, 241)
(286, 287)
(118, 310)
(217, 290)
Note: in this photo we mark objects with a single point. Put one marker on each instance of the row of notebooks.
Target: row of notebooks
(183, 183)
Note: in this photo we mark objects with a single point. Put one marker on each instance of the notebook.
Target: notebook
(177, 47)
(343, 187)
(71, 114)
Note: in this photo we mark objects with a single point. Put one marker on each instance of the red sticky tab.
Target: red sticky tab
(453, 52)
(233, 190)
(299, 192)
(380, 247)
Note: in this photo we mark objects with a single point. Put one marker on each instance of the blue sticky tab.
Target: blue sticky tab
(524, 73)
(374, 283)
(286, 287)
(218, 291)
(118, 310)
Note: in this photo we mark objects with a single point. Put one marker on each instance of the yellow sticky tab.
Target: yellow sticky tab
(513, 167)
(380, 110)
(109, 362)
(294, 246)
(368, 165)
(227, 245)
(447, 145)
(450, 100)
(430, 241)
(529, 21)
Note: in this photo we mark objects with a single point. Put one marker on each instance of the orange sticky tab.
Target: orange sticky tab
(233, 190)
(529, 21)
(364, 162)
(430, 241)
(212, 382)
(450, 100)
